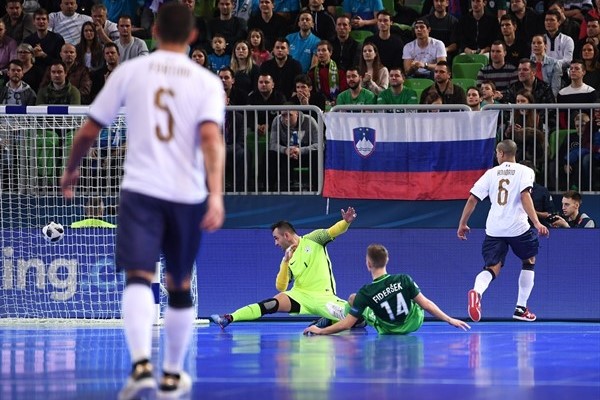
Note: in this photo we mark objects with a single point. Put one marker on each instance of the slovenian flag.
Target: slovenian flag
(409, 156)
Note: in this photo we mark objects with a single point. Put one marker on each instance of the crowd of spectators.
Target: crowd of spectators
(305, 52)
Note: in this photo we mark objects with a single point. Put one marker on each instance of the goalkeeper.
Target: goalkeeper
(313, 291)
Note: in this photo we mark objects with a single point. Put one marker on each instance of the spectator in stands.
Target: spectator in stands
(18, 24)
(449, 92)
(569, 26)
(200, 56)
(362, 14)
(115, 9)
(488, 93)
(444, 27)
(324, 27)
(529, 22)
(46, 44)
(355, 94)
(558, 45)
(434, 99)
(498, 70)
(67, 22)
(477, 30)
(260, 54)
(572, 217)
(397, 93)
(77, 74)
(219, 58)
(245, 72)
(591, 59)
(578, 9)
(89, 50)
(526, 74)
(16, 91)
(328, 78)
(111, 61)
(474, 98)
(107, 31)
(232, 28)
(375, 75)
(201, 27)
(129, 46)
(8, 48)
(577, 92)
(569, 157)
(547, 68)
(32, 73)
(282, 68)
(235, 95)
(303, 44)
(592, 35)
(345, 49)
(305, 95)
(390, 46)
(59, 90)
(265, 95)
(293, 144)
(526, 131)
(422, 54)
(271, 25)
(516, 48)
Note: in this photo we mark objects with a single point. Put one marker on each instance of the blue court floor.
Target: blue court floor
(272, 360)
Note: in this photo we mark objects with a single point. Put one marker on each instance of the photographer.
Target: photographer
(571, 216)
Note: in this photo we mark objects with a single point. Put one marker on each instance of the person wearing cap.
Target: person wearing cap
(422, 54)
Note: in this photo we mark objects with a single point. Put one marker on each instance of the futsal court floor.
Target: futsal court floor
(274, 361)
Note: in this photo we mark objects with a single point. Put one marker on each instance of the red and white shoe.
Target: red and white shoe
(474, 307)
(523, 314)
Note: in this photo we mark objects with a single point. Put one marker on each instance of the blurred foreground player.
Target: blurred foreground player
(174, 151)
(307, 263)
(508, 186)
(392, 304)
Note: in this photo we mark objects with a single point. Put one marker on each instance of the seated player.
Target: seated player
(392, 304)
(313, 291)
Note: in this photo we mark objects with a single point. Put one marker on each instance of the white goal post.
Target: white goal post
(73, 280)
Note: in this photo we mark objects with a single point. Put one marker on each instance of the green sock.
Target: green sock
(247, 313)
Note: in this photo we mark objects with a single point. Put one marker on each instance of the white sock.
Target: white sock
(482, 281)
(138, 317)
(179, 323)
(525, 286)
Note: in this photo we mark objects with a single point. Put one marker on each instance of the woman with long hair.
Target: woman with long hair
(89, 49)
(200, 56)
(244, 70)
(376, 76)
(591, 61)
(550, 69)
(260, 54)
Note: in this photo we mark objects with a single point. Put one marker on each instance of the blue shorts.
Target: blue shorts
(525, 246)
(148, 226)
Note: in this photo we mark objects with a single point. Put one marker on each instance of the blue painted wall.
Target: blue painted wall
(238, 267)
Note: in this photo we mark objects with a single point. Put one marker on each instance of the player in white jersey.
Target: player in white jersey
(509, 188)
(174, 111)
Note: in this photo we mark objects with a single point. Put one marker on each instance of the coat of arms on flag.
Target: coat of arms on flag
(364, 141)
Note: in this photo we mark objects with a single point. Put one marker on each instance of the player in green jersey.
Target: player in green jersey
(392, 304)
(307, 264)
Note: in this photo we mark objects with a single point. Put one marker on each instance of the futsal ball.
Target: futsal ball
(53, 232)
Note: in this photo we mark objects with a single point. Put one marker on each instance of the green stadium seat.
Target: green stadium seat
(464, 83)
(470, 59)
(466, 70)
(562, 135)
(389, 6)
(418, 85)
(360, 36)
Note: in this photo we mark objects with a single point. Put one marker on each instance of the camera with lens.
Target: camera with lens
(552, 218)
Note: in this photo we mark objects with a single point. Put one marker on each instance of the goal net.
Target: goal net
(74, 279)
